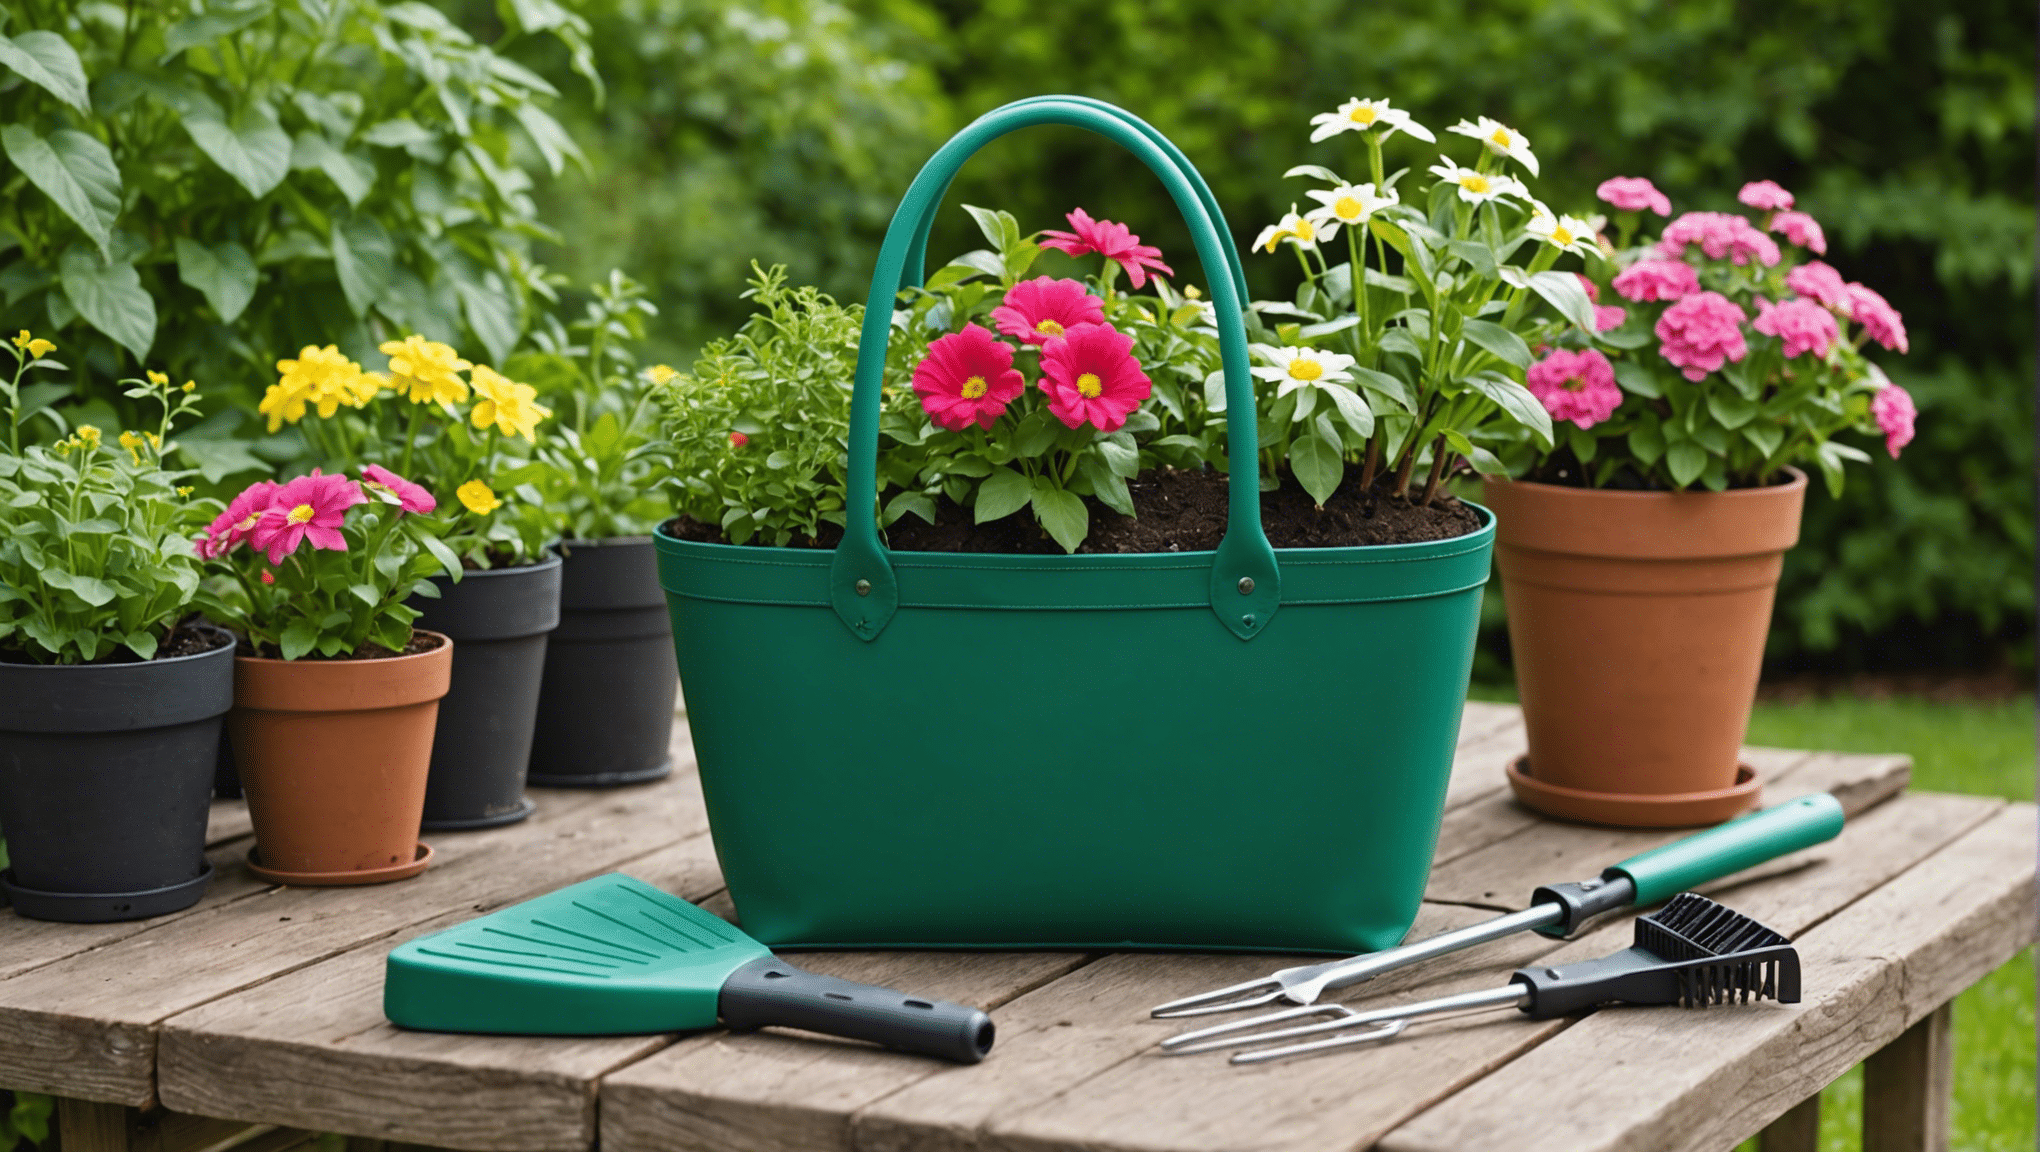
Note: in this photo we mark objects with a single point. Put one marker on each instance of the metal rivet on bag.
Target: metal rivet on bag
(1246, 585)
(864, 587)
(1248, 619)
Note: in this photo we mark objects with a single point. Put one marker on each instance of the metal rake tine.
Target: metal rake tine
(1375, 1035)
(1237, 1032)
(1206, 1003)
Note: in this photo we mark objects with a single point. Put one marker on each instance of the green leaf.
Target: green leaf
(221, 21)
(1063, 514)
(1001, 494)
(402, 132)
(1387, 385)
(1120, 455)
(999, 228)
(1516, 400)
(449, 561)
(365, 593)
(1498, 340)
(552, 140)
(365, 259)
(981, 260)
(1686, 460)
(1562, 291)
(1352, 408)
(353, 175)
(1733, 411)
(298, 639)
(1319, 466)
(1765, 437)
(90, 589)
(1582, 442)
(1315, 172)
(74, 170)
(225, 273)
(1108, 486)
(919, 503)
(1637, 379)
(491, 311)
(141, 644)
(48, 61)
(217, 459)
(110, 298)
(1477, 256)
(251, 147)
(1035, 434)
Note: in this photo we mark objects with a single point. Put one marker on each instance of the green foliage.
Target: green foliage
(24, 1116)
(209, 183)
(95, 537)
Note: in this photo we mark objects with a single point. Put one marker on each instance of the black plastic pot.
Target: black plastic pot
(499, 620)
(106, 774)
(605, 716)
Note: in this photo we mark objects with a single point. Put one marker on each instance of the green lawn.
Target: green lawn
(1980, 748)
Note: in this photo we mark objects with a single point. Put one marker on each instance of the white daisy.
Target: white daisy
(1292, 368)
(1293, 228)
(1348, 204)
(1567, 233)
(1500, 139)
(1479, 187)
(1367, 116)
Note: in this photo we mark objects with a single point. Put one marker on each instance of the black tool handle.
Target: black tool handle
(771, 991)
(1581, 902)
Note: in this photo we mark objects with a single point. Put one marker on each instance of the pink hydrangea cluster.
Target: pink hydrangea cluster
(1700, 332)
(1803, 325)
(1575, 386)
(1880, 321)
(1802, 230)
(1719, 234)
(1817, 281)
(1892, 407)
(1634, 194)
(1764, 196)
(1657, 280)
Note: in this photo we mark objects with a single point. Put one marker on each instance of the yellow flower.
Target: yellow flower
(510, 406)
(324, 377)
(158, 378)
(184, 489)
(426, 370)
(35, 348)
(478, 497)
(87, 436)
(133, 443)
(661, 373)
(22, 340)
(189, 385)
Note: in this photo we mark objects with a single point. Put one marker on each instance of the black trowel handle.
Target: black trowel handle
(771, 991)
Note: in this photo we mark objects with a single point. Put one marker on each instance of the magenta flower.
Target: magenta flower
(1764, 196)
(1880, 321)
(1110, 240)
(1593, 293)
(967, 378)
(1043, 308)
(1804, 325)
(1607, 316)
(394, 489)
(308, 508)
(1701, 331)
(1894, 412)
(1816, 281)
(1657, 280)
(1634, 194)
(232, 526)
(1090, 375)
(1575, 386)
(1719, 234)
(1802, 230)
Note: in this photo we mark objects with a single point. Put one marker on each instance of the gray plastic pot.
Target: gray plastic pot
(605, 715)
(499, 620)
(106, 774)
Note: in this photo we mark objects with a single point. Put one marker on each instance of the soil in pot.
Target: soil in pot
(1177, 511)
(106, 776)
(605, 709)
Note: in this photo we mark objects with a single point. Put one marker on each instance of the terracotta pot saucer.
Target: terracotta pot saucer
(343, 879)
(1637, 810)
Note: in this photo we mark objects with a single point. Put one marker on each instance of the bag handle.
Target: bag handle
(1245, 580)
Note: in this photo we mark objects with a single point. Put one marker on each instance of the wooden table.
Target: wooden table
(261, 1006)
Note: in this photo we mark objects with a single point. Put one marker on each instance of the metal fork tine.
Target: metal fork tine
(1339, 1017)
(1182, 1041)
(1220, 1000)
(1373, 1035)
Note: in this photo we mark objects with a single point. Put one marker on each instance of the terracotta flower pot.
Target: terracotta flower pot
(1637, 624)
(333, 756)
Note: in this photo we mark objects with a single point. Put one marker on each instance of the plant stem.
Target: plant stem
(410, 438)
(1402, 474)
(1372, 464)
(1437, 471)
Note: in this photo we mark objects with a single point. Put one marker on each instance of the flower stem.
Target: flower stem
(1437, 471)
(410, 438)
(1371, 465)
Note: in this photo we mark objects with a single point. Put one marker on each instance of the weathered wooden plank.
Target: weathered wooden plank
(1798, 1130)
(1348, 1099)
(1478, 762)
(228, 820)
(1871, 970)
(313, 1049)
(1907, 1087)
(85, 1026)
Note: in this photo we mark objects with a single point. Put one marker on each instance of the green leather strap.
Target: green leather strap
(1245, 582)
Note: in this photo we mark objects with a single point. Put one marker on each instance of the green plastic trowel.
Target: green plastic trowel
(614, 955)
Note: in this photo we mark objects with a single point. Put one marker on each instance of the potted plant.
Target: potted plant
(336, 694)
(1640, 554)
(464, 430)
(605, 708)
(111, 692)
(1135, 539)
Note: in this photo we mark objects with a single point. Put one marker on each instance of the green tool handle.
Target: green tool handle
(1741, 843)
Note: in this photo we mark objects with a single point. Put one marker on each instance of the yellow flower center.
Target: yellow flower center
(300, 514)
(248, 521)
(1474, 182)
(974, 387)
(1501, 138)
(1561, 235)
(1048, 328)
(1089, 386)
(1306, 231)
(1301, 369)
(1348, 208)
(1362, 115)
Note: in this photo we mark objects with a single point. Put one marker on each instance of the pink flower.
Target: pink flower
(1575, 386)
(1657, 280)
(309, 507)
(1719, 234)
(967, 378)
(1880, 321)
(1894, 412)
(1764, 196)
(232, 526)
(1090, 375)
(1802, 230)
(1634, 194)
(1042, 308)
(268, 577)
(738, 439)
(1110, 240)
(1701, 331)
(1593, 292)
(1804, 325)
(401, 492)
(1608, 316)
(1816, 281)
